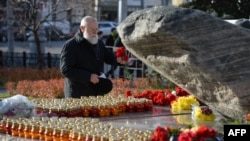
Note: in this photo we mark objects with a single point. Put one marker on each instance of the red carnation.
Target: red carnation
(206, 132)
(186, 136)
(180, 91)
(128, 93)
(168, 91)
(121, 53)
(160, 134)
(170, 97)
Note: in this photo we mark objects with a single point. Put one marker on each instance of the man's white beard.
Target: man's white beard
(92, 39)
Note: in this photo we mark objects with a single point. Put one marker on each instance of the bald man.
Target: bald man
(82, 61)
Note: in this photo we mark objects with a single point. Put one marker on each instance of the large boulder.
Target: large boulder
(206, 56)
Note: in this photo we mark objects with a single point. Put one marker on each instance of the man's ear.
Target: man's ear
(82, 28)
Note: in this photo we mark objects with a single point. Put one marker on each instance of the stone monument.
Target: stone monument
(203, 54)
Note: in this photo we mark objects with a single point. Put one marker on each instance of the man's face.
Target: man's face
(92, 29)
(90, 33)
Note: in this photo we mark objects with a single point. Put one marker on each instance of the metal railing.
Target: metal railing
(134, 67)
(24, 59)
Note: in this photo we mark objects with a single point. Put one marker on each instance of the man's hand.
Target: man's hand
(119, 60)
(94, 78)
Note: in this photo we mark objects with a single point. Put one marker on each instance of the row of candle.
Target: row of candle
(70, 129)
(99, 106)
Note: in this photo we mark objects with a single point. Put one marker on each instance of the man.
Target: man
(111, 38)
(100, 35)
(82, 61)
(110, 43)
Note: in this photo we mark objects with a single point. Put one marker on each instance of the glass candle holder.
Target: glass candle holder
(85, 110)
(101, 111)
(56, 134)
(130, 107)
(114, 109)
(21, 126)
(48, 134)
(41, 132)
(64, 135)
(35, 132)
(27, 130)
(3, 126)
(14, 128)
(8, 125)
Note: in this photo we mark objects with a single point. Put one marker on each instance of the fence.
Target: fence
(27, 59)
(134, 67)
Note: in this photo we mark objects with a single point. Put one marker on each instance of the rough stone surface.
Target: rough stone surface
(206, 56)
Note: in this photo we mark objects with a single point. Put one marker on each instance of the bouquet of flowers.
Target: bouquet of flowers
(202, 133)
(17, 106)
(202, 113)
(121, 53)
(184, 103)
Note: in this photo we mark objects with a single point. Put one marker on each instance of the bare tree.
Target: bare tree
(31, 16)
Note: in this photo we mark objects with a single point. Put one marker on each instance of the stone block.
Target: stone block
(203, 54)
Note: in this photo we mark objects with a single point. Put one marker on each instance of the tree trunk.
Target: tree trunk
(40, 61)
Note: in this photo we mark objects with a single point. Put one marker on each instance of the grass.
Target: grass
(4, 95)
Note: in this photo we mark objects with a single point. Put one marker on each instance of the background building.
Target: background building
(102, 9)
(108, 9)
(70, 12)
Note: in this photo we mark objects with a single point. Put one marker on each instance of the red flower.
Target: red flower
(160, 134)
(180, 91)
(128, 93)
(248, 117)
(186, 136)
(168, 129)
(170, 98)
(206, 132)
(159, 129)
(168, 91)
(121, 53)
(173, 101)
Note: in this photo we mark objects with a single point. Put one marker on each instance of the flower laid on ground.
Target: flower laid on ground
(201, 133)
(248, 117)
(160, 97)
(203, 113)
(184, 103)
(16, 106)
(180, 92)
(164, 133)
(128, 93)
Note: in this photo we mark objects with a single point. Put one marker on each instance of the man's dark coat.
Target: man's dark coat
(79, 59)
